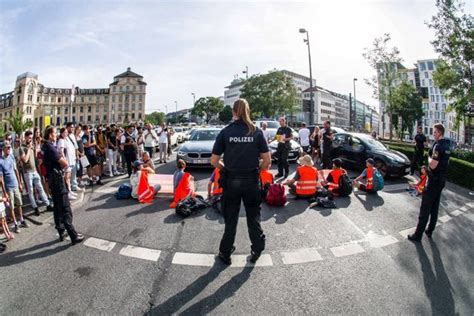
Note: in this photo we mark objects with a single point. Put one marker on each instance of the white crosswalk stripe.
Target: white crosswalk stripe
(100, 244)
(445, 218)
(140, 253)
(301, 256)
(347, 250)
(208, 260)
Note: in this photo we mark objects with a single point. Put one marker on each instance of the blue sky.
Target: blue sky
(181, 47)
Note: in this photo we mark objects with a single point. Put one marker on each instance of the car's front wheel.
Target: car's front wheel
(381, 167)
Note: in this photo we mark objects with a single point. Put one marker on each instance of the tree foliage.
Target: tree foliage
(406, 106)
(454, 41)
(270, 94)
(18, 124)
(385, 60)
(207, 107)
(155, 118)
(226, 114)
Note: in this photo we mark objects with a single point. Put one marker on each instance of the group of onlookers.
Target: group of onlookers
(104, 150)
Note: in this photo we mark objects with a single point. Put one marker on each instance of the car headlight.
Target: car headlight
(181, 153)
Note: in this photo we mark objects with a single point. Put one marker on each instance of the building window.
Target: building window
(89, 118)
(81, 109)
(139, 106)
(126, 88)
(422, 82)
(430, 65)
(133, 97)
(134, 88)
(120, 88)
(431, 82)
(113, 89)
(97, 108)
(133, 116)
(18, 99)
(96, 118)
(90, 99)
(113, 98)
(140, 98)
(89, 109)
(37, 99)
(66, 110)
(65, 120)
(74, 110)
(81, 119)
(422, 66)
(30, 98)
(97, 99)
(67, 100)
(133, 106)
(58, 121)
(74, 119)
(427, 75)
(105, 117)
(139, 116)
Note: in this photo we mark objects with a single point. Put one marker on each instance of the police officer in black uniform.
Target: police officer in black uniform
(327, 145)
(438, 167)
(420, 141)
(284, 135)
(55, 164)
(243, 145)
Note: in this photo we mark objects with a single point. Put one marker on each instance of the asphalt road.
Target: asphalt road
(145, 259)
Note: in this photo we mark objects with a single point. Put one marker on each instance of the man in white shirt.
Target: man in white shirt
(266, 132)
(72, 146)
(163, 142)
(150, 139)
(304, 138)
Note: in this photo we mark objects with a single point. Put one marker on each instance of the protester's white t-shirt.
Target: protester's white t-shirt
(149, 137)
(266, 135)
(163, 137)
(134, 179)
(304, 136)
(70, 151)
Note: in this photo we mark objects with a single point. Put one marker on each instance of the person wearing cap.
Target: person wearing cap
(11, 186)
(138, 168)
(55, 165)
(368, 174)
(306, 178)
(332, 180)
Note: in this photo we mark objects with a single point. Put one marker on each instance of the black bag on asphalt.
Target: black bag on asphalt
(191, 205)
(325, 202)
(345, 185)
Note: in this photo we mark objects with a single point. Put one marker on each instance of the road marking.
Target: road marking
(347, 250)
(407, 232)
(470, 204)
(140, 253)
(464, 208)
(383, 241)
(207, 260)
(301, 256)
(445, 218)
(100, 244)
(456, 213)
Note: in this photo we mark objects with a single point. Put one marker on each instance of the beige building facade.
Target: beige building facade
(122, 102)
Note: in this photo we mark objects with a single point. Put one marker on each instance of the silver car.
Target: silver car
(198, 150)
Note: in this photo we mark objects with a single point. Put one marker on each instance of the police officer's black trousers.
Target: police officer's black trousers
(130, 157)
(326, 159)
(62, 206)
(417, 160)
(429, 207)
(238, 188)
(282, 155)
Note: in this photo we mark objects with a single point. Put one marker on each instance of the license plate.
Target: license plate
(291, 155)
(407, 169)
(199, 161)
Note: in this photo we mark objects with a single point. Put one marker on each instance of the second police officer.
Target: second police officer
(438, 160)
(243, 145)
(55, 164)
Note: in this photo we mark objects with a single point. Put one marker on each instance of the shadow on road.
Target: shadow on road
(437, 286)
(16, 257)
(174, 303)
(371, 201)
(283, 214)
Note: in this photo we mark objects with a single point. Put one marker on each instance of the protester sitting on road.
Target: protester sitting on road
(147, 162)
(418, 188)
(213, 187)
(3, 219)
(266, 179)
(332, 180)
(138, 168)
(370, 186)
(11, 187)
(306, 178)
(181, 184)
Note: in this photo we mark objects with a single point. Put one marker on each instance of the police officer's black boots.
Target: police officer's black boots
(254, 257)
(226, 259)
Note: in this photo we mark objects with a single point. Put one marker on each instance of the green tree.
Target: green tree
(207, 107)
(407, 108)
(226, 114)
(385, 61)
(270, 94)
(454, 41)
(18, 124)
(155, 118)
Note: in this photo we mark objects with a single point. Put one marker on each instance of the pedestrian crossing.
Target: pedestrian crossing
(286, 257)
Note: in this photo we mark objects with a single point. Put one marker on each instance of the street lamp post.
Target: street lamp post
(176, 113)
(194, 98)
(311, 101)
(355, 101)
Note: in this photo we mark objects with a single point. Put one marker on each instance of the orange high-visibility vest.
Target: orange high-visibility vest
(308, 181)
(145, 192)
(370, 178)
(420, 187)
(215, 188)
(183, 190)
(335, 174)
(266, 177)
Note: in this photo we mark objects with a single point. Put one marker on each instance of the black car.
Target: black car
(354, 149)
